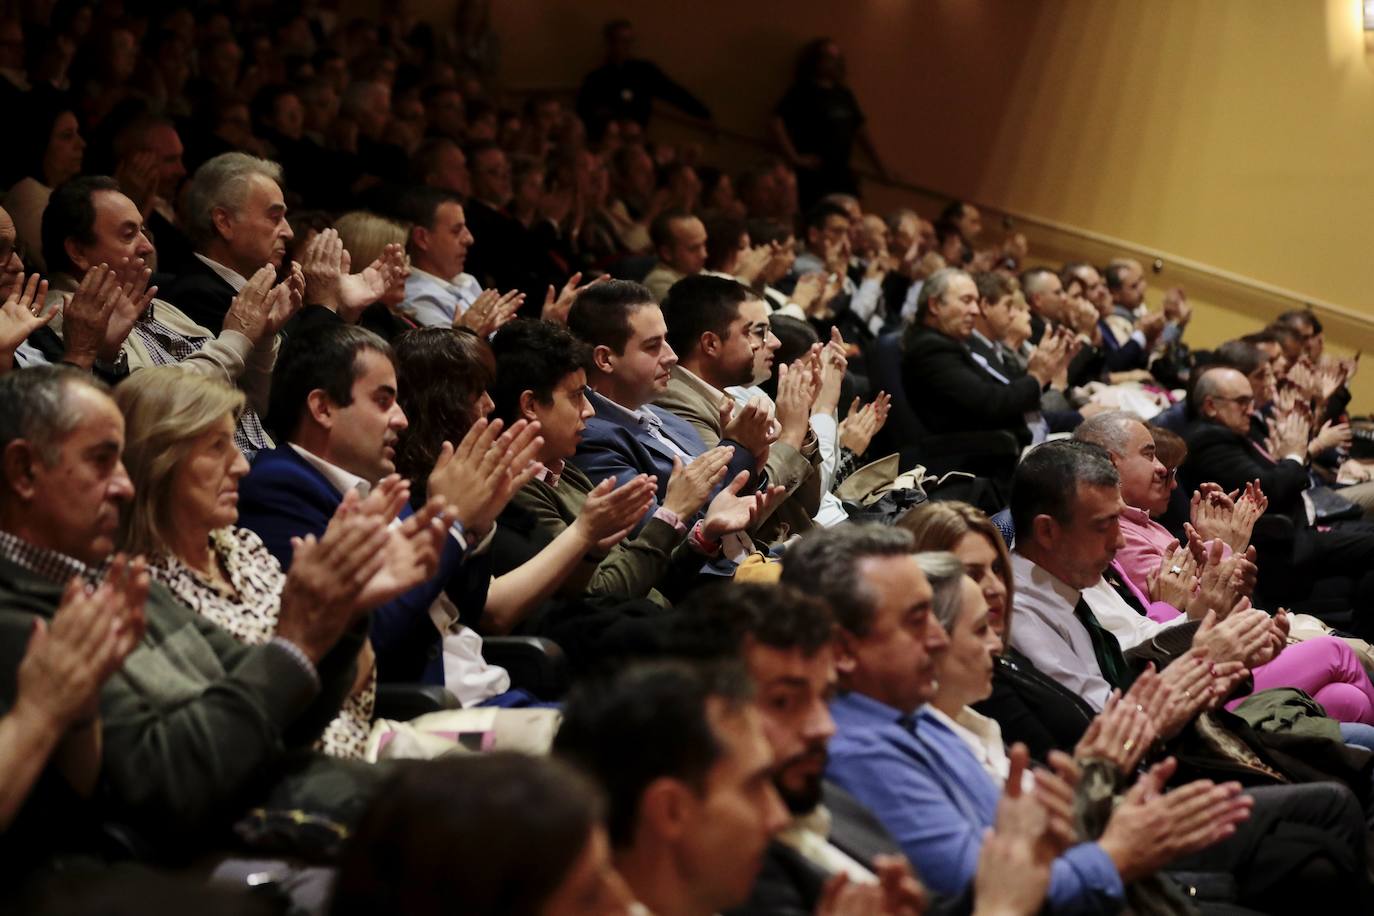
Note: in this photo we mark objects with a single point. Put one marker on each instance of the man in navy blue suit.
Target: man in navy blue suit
(631, 365)
(335, 414)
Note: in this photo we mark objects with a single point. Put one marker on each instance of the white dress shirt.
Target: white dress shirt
(1129, 627)
(1047, 632)
(235, 279)
(434, 302)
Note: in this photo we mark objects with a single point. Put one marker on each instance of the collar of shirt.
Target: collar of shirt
(862, 711)
(699, 384)
(1123, 621)
(1038, 584)
(338, 478)
(49, 564)
(640, 417)
(447, 286)
(982, 735)
(809, 836)
(552, 473)
(227, 274)
(978, 336)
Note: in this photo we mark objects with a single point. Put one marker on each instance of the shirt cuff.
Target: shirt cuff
(664, 514)
(298, 656)
(469, 542)
(1139, 337)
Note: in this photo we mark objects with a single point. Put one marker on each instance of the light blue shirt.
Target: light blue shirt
(433, 302)
(934, 797)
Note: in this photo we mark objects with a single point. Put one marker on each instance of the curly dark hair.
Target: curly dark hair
(441, 374)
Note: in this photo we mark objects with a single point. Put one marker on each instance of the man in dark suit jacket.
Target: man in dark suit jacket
(948, 389)
(334, 405)
(1220, 451)
(236, 218)
(632, 363)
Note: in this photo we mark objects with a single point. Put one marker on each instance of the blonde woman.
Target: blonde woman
(365, 237)
(180, 454)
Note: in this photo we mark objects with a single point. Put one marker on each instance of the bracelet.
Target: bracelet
(701, 542)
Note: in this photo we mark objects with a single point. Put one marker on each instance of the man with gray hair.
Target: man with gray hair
(236, 219)
(946, 386)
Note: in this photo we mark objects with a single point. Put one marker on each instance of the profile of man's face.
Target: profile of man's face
(736, 814)
(73, 501)
(792, 690)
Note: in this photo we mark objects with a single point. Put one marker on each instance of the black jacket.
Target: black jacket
(950, 392)
(1218, 455)
(201, 293)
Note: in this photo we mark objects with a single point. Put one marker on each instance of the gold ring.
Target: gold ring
(1188, 694)
(1130, 743)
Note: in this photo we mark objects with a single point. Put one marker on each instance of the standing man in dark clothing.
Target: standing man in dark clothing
(817, 123)
(624, 87)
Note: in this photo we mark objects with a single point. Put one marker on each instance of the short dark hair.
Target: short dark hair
(532, 355)
(815, 217)
(1239, 355)
(1046, 481)
(650, 722)
(1296, 318)
(70, 214)
(714, 621)
(324, 357)
(1261, 337)
(762, 231)
(953, 211)
(1112, 275)
(441, 373)
(991, 285)
(825, 563)
(723, 234)
(419, 205)
(467, 828)
(697, 304)
(600, 315)
(661, 229)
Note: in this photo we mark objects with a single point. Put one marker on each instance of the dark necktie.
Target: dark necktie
(1119, 586)
(1105, 647)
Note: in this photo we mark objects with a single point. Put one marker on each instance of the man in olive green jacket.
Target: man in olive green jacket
(197, 727)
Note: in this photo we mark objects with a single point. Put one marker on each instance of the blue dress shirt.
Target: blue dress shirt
(933, 796)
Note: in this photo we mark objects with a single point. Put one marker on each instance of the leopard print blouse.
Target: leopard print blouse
(250, 615)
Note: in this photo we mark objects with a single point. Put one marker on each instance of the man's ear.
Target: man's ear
(603, 359)
(710, 343)
(1044, 531)
(77, 257)
(18, 461)
(846, 658)
(666, 809)
(222, 220)
(321, 408)
(527, 402)
(419, 239)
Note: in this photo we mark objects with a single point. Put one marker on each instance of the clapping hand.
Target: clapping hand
(690, 485)
(380, 280)
(1120, 734)
(489, 311)
(21, 314)
(86, 317)
(611, 512)
(69, 658)
(1151, 828)
(861, 424)
(556, 310)
(479, 477)
(729, 512)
